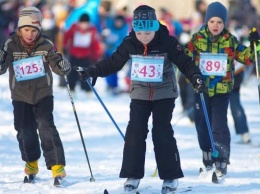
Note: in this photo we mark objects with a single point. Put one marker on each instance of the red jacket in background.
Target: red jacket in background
(83, 43)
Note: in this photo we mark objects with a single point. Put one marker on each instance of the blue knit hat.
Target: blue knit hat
(216, 9)
(145, 19)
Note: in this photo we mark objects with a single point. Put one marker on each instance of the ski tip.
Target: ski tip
(106, 192)
(29, 179)
(58, 181)
(25, 180)
(215, 178)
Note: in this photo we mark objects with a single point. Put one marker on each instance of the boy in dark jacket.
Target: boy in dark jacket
(153, 91)
(30, 57)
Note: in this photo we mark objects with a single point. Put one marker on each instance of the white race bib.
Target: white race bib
(82, 40)
(29, 68)
(147, 68)
(214, 64)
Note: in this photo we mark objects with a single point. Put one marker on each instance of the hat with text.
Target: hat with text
(145, 19)
(30, 16)
(216, 9)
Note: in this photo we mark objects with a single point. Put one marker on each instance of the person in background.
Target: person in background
(30, 57)
(153, 91)
(112, 36)
(83, 45)
(49, 26)
(218, 74)
(237, 110)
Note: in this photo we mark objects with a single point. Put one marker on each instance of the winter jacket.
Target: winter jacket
(90, 47)
(162, 45)
(226, 43)
(33, 90)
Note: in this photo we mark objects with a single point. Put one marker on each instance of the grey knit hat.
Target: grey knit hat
(216, 9)
(30, 16)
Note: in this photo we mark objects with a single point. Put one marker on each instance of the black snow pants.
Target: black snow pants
(165, 146)
(27, 119)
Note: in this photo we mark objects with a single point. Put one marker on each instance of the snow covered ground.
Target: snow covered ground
(104, 147)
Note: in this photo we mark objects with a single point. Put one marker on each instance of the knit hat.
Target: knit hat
(30, 16)
(216, 9)
(145, 19)
(84, 18)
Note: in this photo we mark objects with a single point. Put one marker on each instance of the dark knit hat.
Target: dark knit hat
(145, 19)
(30, 16)
(216, 9)
(84, 18)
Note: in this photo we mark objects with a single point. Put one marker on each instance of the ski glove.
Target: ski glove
(2, 56)
(64, 66)
(198, 84)
(253, 38)
(85, 73)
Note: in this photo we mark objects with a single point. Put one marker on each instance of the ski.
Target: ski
(29, 179)
(217, 178)
(205, 172)
(178, 190)
(58, 181)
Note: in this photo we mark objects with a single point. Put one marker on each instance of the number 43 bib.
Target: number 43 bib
(147, 68)
(214, 64)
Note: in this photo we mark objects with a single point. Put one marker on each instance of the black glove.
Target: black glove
(2, 56)
(198, 83)
(64, 66)
(85, 73)
(253, 38)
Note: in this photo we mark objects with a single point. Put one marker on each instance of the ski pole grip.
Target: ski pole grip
(80, 69)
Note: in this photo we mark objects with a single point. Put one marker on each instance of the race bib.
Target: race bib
(29, 68)
(82, 40)
(213, 64)
(147, 68)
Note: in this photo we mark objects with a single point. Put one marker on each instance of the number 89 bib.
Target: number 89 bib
(214, 64)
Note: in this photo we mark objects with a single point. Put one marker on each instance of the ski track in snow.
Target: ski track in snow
(104, 147)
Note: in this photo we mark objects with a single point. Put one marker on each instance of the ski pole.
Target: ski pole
(77, 120)
(214, 151)
(101, 102)
(256, 65)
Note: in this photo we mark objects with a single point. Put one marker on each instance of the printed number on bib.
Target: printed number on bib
(213, 64)
(147, 68)
(29, 68)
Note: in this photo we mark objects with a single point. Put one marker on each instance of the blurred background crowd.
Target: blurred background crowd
(110, 22)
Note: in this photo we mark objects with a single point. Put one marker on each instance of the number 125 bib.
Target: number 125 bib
(29, 68)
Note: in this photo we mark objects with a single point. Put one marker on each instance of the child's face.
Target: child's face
(145, 36)
(215, 25)
(29, 34)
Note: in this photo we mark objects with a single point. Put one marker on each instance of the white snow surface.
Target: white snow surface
(104, 147)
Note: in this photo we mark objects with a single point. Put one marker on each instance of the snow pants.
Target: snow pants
(217, 107)
(27, 119)
(165, 146)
